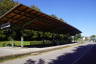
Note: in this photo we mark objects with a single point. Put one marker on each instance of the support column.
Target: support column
(74, 39)
(53, 41)
(57, 39)
(10, 31)
(22, 40)
(52, 36)
(43, 39)
(12, 43)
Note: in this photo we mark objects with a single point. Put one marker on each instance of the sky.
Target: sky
(78, 13)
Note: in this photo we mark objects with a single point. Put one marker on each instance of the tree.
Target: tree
(77, 37)
(93, 38)
(54, 16)
(5, 5)
(35, 8)
(2, 35)
(61, 19)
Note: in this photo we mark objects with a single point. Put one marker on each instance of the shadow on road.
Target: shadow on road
(70, 57)
(30, 61)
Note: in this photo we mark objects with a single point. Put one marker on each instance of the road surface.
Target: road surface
(89, 58)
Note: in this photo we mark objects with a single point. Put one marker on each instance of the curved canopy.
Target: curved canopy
(27, 18)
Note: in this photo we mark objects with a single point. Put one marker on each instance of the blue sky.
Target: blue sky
(79, 13)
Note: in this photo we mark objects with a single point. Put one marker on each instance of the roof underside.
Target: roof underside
(28, 18)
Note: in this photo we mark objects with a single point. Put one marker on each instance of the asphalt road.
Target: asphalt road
(70, 55)
(89, 58)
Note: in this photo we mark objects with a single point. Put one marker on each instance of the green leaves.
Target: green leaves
(2, 34)
(93, 37)
(5, 5)
(77, 37)
(35, 8)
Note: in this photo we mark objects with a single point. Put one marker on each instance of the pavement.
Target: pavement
(9, 51)
(70, 55)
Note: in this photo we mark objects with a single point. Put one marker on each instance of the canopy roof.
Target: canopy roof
(28, 18)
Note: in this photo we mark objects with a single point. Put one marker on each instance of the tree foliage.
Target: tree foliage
(35, 8)
(54, 16)
(5, 5)
(93, 38)
(2, 35)
(77, 37)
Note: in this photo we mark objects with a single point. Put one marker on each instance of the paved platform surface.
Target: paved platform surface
(6, 51)
(69, 55)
